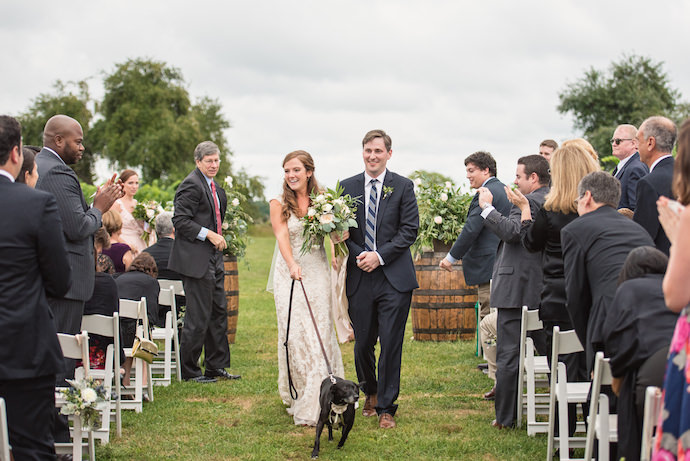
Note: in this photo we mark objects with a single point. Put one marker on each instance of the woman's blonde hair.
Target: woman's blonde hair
(569, 164)
(289, 195)
(112, 221)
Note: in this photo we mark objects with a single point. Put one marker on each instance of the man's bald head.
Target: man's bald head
(64, 135)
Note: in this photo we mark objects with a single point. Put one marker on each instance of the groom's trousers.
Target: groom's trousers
(378, 310)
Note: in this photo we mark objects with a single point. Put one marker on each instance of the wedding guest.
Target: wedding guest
(119, 252)
(672, 430)
(34, 265)
(139, 281)
(547, 148)
(637, 334)
(101, 241)
(29, 172)
(132, 228)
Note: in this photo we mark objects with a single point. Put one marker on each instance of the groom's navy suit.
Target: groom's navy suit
(380, 300)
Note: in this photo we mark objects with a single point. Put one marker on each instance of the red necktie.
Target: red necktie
(216, 206)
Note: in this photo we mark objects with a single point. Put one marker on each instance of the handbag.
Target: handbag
(144, 349)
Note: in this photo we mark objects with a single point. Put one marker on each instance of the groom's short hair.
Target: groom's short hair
(373, 134)
(482, 160)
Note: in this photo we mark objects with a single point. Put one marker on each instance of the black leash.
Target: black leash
(318, 336)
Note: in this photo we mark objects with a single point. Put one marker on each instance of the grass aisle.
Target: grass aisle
(441, 414)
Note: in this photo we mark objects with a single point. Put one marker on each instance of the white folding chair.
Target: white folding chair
(530, 368)
(602, 425)
(137, 310)
(109, 327)
(167, 334)
(76, 347)
(176, 285)
(4, 436)
(562, 393)
(652, 408)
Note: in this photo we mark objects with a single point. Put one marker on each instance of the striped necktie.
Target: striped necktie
(370, 230)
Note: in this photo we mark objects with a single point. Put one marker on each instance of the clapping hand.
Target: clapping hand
(669, 216)
(486, 198)
(108, 193)
(516, 198)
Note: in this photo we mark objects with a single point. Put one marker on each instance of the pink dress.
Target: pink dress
(131, 229)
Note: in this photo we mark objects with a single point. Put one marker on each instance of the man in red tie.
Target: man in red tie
(197, 254)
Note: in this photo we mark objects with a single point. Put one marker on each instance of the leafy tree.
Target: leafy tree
(72, 99)
(431, 177)
(149, 121)
(633, 89)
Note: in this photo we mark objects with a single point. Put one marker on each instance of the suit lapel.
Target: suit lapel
(361, 208)
(383, 202)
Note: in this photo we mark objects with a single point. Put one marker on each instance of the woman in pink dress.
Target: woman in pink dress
(132, 229)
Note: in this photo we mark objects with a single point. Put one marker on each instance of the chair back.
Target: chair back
(4, 437)
(652, 408)
(136, 310)
(177, 286)
(530, 322)
(76, 347)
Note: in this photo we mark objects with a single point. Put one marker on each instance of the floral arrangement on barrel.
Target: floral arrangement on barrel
(442, 212)
(147, 212)
(330, 211)
(87, 398)
(236, 223)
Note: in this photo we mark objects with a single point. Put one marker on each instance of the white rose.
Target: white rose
(326, 218)
(438, 220)
(444, 197)
(311, 212)
(418, 182)
(327, 207)
(320, 198)
(235, 202)
(225, 226)
(228, 181)
(340, 201)
(88, 395)
(150, 213)
(449, 185)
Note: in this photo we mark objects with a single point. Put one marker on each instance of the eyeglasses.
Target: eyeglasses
(617, 141)
(577, 200)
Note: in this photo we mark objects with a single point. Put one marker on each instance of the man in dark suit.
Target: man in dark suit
(517, 279)
(629, 169)
(62, 146)
(197, 254)
(380, 273)
(656, 138)
(595, 246)
(476, 245)
(34, 263)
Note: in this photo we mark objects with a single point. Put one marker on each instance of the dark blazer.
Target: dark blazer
(79, 222)
(133, 285)
(477, 245)
(649, 189)
(194, 210)
(397, 221)
(33, 263)
(517, 275)
(161, 254)
(595, 246)
(629, 175)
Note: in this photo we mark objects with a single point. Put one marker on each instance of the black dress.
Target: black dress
(638, 332)
(133, 285)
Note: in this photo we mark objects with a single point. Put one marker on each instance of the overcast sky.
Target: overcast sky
(443, 78)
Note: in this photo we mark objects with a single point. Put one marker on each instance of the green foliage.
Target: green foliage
(154, 191)
(633, 89)
(236, 222)
(88, 190)
(430, 177)
(149, 121)
(72, 99)
(442, 212)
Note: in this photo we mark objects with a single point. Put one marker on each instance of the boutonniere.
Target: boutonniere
(387, 191)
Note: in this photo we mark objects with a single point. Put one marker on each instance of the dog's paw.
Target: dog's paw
(314, 456)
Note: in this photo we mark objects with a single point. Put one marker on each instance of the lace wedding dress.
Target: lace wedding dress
(307, 364)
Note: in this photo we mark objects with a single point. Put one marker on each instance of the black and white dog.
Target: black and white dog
(337, 409)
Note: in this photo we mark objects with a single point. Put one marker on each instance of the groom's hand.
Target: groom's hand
(368, 261)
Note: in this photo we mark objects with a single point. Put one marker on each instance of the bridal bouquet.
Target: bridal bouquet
(330, 211)
(147, 212)
(87, 399)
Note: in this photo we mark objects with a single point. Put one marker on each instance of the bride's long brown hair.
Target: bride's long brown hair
(290, 196)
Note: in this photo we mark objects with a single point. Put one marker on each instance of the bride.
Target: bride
(306, 361)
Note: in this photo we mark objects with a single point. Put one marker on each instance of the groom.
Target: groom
(380, 273)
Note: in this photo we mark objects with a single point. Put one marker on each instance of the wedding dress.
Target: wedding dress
(307, 365)
(131, 230)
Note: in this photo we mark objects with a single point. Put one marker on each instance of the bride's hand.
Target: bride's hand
(340, 237)
(295, 272)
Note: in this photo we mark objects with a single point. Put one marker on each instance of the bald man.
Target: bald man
(62, 141)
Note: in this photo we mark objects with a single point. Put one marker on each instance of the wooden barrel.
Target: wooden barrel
(232, 295)
(443, 306)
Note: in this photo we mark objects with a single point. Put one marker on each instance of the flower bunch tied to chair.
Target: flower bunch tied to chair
(86, 398)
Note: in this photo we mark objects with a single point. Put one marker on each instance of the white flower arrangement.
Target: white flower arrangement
(87, 399)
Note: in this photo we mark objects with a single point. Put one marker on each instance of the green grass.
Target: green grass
(441, 413)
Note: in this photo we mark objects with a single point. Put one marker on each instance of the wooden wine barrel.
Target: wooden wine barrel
(443, 306)
(232, 295)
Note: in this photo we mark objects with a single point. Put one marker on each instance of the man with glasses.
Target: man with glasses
(197, 254)
(629, 169)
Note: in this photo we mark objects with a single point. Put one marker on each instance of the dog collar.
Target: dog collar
(336, 412)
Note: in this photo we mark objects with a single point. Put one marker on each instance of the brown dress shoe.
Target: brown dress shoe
(370, 405)
(386, 421)
(491, 395)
